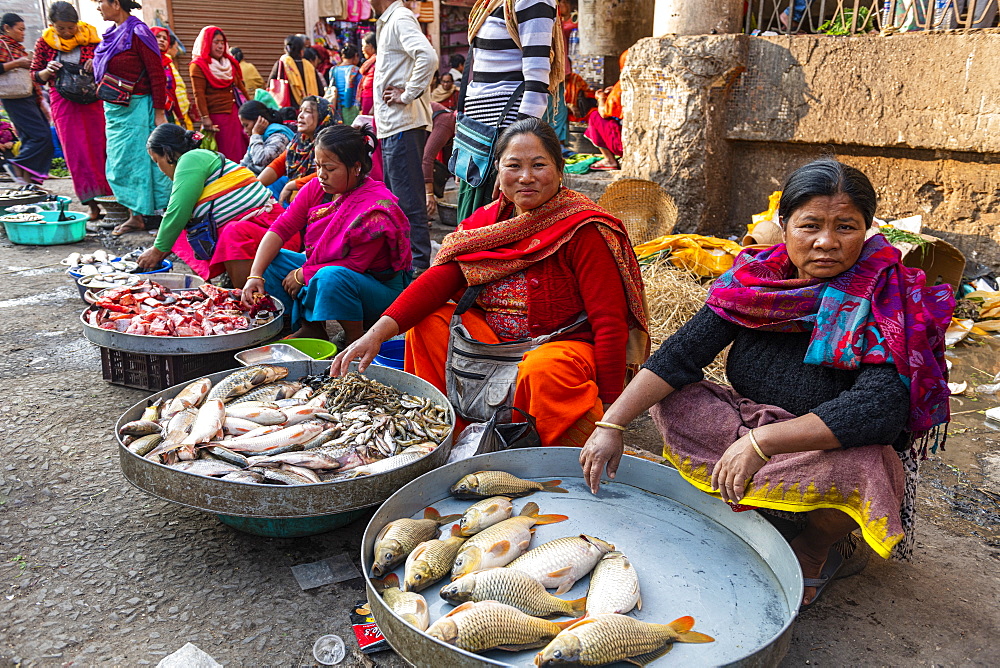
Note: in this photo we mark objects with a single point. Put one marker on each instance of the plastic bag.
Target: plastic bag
(468, 442)
(498, 434)
(764, 227)
(705, 256)
(208, 142)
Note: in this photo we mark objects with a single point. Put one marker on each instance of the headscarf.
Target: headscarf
(220, 73)
(875, 312)
(488, 246)
(165, 58)
(118, 39)
(299, 159)
(85, 34)
(557, 55)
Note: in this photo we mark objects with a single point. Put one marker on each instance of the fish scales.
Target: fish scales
(477, 627)
(484, 514)
(398, 538)
(561, 562)
(500, 483)
(513, 588)
(430, 561)
(240, 382)
(412, 607)
(614, 586)
(501, 543)
(608, 638)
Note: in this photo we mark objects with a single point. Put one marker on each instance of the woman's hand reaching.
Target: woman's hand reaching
(605, 447)
(151, 259)
(735, 469)
(252, 288)
(364, 349)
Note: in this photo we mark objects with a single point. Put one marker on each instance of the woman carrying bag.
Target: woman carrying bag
(64, 60)
(22, 100)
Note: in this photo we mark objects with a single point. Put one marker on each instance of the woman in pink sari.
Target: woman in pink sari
(357, 243)
(68, 42)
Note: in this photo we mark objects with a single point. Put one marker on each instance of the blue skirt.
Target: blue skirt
(135, 179)
(333, 293)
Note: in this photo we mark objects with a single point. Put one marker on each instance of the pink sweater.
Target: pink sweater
(330, 239)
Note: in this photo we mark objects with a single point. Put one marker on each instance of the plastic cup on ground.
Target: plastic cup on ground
(329, 650)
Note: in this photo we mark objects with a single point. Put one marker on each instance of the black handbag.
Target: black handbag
(203, 233)
(75, 83)
(502, 434)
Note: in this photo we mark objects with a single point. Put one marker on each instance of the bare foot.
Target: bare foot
(811, 560)
(95, 211)
(311, 330)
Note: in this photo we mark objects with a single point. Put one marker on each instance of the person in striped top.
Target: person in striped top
(205, 183)
(512, 44)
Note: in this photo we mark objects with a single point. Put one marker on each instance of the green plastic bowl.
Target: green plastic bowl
(318, 349)
(291, 527)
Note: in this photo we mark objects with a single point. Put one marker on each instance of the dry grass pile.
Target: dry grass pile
(674, 296)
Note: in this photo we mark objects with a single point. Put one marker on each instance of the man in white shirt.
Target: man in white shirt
(457, 64)
(403, 71)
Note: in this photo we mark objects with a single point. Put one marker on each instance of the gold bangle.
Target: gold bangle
(753, 442)
(260, 277)
(299, 279)
(610, 425)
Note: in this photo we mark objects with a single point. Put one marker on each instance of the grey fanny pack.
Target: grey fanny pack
(481, 377)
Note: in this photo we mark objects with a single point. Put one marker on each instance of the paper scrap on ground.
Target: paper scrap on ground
(327, 571)
(189, 656)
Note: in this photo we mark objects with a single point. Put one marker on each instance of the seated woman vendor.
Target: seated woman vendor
(294, 167)
(838, 380)
(207, 186)
(542, 258)
(357, 255)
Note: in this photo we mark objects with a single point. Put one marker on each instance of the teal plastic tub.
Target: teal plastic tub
(49, 231)
(291, 527)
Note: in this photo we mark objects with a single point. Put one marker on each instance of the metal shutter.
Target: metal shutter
(258, 27)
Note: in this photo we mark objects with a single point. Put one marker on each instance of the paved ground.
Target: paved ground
(94, 572)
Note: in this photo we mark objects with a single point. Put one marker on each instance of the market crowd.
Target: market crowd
(315, 184)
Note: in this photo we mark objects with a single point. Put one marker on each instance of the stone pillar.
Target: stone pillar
(673, 92)
(697, 17)
(608, 27)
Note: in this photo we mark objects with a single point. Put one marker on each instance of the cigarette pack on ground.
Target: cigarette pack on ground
(370, 639)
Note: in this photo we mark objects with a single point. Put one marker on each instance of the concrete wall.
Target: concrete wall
(919, 113)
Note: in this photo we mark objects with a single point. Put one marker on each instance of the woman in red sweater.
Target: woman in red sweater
(542, 255)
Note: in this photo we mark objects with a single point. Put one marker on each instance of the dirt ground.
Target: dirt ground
(94, 572)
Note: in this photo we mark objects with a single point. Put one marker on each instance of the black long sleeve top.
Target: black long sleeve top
(866, 406)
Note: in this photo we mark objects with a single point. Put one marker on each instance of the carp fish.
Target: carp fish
(244, 380)
(477, 627)
(484, 514)
(412, 607)
(431, 560)
(190, 397)
(500, 483)
(398, 538)
(560, 563)
(607, 638)
(513, 588)
(614, 586)
(501, 543)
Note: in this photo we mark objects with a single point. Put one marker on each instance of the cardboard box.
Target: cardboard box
(942, 262)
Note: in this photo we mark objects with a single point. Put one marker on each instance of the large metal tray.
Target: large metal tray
(732, 572)
(279, 501)
(183, 345)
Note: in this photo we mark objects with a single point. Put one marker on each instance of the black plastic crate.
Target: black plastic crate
(158, 372)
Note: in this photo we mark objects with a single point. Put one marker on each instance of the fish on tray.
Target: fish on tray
(399, 537)
(412, 607)
(431, 560)
(500, 483)
(242, 381)
(501, 543)
(190, 397)
(561, 562)
(614, 586)
(514, 588)
(484, 514)
(604, 639)
(477, 627)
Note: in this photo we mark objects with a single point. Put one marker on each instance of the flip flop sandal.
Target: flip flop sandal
(833, 563)
(127, 227)
(602, 166)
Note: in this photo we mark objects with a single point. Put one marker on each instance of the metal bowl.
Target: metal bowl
(182, 345)
(279, 501)
(733, 572)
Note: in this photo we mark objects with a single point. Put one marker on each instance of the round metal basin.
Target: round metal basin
(732, 572)
(240, 499)
(182, 345)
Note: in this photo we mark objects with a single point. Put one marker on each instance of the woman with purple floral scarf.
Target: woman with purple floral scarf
(838, 378)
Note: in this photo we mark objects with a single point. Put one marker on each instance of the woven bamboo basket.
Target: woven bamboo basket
(646, 209)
